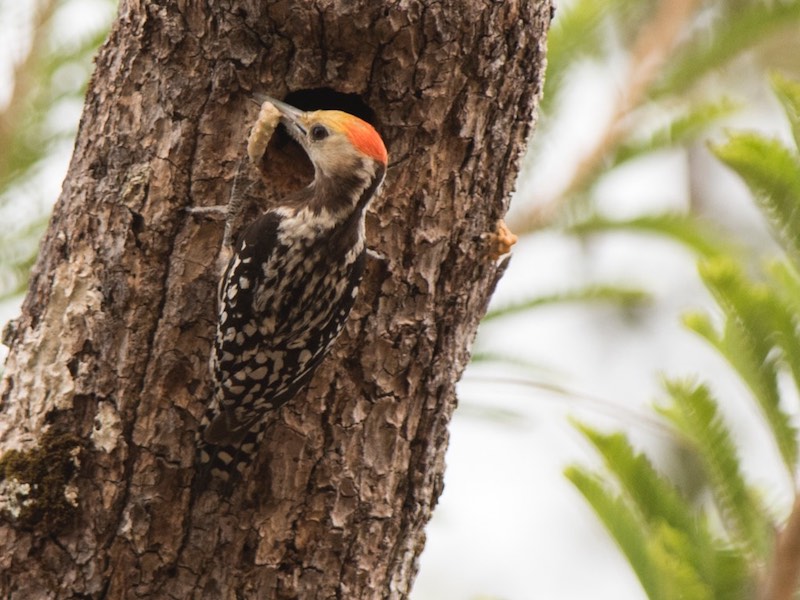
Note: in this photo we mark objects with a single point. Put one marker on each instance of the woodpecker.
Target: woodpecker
(291, 281)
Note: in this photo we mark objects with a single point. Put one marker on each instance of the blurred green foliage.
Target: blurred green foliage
(39, 118)
(720, 543)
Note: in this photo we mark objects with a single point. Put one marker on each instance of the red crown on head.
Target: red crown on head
(361, 134)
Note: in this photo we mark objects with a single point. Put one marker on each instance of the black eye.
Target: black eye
(318, 132)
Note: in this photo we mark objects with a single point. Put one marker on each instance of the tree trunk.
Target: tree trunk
(107, 375)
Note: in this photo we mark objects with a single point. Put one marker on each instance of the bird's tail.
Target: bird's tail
(223, 453)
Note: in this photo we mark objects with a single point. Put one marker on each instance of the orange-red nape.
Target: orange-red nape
(361, 134)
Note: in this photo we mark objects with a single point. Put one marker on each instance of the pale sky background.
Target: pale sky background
(509, 525)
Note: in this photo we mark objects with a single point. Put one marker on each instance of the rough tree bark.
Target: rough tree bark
(107, 374)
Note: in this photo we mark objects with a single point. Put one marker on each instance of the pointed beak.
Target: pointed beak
(290, 116)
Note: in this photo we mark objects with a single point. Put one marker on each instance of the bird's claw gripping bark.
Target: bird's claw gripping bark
(260, 134)
(263, 128)
(499, 241)
(216, 212)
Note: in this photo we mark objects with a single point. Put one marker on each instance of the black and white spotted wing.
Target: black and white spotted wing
(283, 301)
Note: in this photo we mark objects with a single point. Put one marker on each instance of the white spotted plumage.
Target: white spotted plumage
(290, 284)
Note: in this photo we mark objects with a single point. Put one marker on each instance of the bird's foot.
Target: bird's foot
(218, 212)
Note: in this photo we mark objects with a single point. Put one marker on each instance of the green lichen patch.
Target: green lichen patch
(35, 488)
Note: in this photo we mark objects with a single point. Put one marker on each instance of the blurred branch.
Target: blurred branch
(700, 236)
(782, 578)
(23, 78)
(746, 24)
(654, 44)
(579, 400)
(626, 297)
(48, 76)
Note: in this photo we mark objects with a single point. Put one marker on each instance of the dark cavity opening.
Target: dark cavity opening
(329, 99)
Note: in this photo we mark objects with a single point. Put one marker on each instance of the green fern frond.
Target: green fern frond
(685, 549)
(33, 135)
(655, 498)
(755, 321)
(772, 173)
(657, 552)
(701, 324)
(670, 549)
(576, 33)
(509, 419)
(788, 92)
(694, 412)
(666, 540)
(680, 131)
(740, 30)
(696, 234)
(786, 281)
(580, 30)
(483, 356)
(627, 298)
(782, 306)
(625, 525)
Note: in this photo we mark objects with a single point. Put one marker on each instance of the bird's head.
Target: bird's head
(337, 142)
